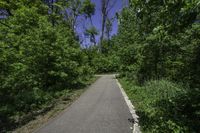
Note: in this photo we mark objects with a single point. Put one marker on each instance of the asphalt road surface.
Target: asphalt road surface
(101, 109)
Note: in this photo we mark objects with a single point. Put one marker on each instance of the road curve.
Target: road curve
(101, 109)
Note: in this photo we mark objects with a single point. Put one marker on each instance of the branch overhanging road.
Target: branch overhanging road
(101, 109)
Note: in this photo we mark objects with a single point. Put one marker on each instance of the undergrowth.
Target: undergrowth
(163, 106)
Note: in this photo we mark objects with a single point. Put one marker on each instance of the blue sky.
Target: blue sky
(97, 18)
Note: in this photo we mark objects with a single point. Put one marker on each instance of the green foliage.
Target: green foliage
(88, 8)
(37, 61)
(159, 46)
(92, 32)
(102, 62)
(105, 63)
(160, 40)
(40, 58)
(163, 106)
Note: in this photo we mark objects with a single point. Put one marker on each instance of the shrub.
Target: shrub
(162, 106)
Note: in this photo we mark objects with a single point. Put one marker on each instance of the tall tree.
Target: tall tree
(109, 25)
(72, 10)
(92, 32)
(88, 9)
(106, 6)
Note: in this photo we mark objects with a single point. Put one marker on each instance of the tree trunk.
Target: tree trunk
(52, 9)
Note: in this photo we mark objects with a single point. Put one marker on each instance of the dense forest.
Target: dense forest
(156, 53)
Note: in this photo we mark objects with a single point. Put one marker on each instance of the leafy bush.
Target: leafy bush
(105, 63)
(102, 62)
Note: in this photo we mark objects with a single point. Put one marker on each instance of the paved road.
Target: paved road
(101, 109)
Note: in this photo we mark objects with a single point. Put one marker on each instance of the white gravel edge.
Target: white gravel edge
(136, 127)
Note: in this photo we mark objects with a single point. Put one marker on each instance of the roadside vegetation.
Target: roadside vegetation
(164, 106)
(159, 43)
(156, 52)
(41, 59)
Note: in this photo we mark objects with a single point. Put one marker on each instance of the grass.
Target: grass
(163, 106)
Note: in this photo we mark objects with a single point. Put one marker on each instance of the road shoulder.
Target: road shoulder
(135, 121)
